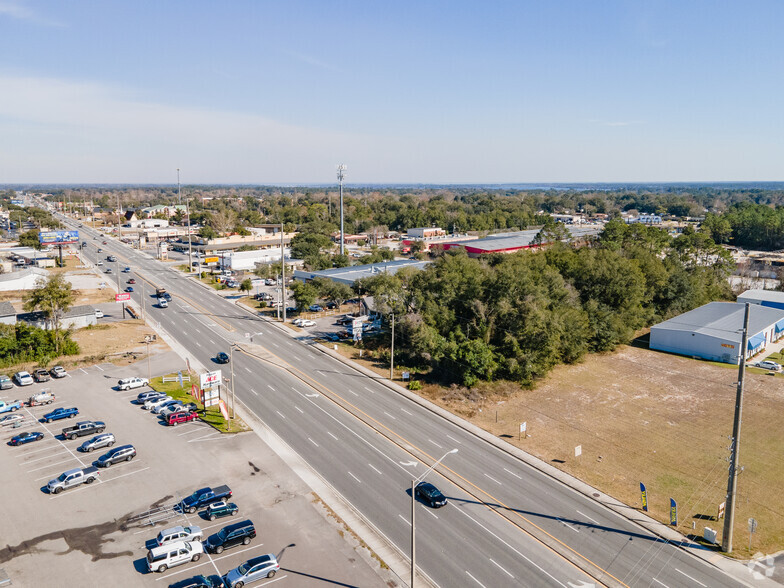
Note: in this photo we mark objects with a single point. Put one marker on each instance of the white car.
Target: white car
(156, 402)
(307, 323)
(98, 313)
(769, 365)
(167, 409)
(161, 407)
(99, 262)
(23, 379)
(131, 383)
(162, 303)
(179, 534)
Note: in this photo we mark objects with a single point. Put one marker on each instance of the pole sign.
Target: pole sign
(122, 297)
(644, 496)
(673, 513)
(210, 260)
(210, 379)
(720, 513)
(58, 237)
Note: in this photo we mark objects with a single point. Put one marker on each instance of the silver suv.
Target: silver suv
(97, 442)
(121, 453)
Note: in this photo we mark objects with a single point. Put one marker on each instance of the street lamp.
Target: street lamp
(231, 361)
(147, 340)
(414, 483)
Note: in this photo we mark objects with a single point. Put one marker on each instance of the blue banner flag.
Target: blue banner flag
(673, 513)
(644, 494)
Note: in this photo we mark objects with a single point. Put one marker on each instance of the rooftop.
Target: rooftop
(757, 294)
(351, 274)
(723, 320)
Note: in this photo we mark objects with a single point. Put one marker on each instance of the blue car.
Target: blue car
(27, 437)
(315, 308)
(129, 289)
(60, 413)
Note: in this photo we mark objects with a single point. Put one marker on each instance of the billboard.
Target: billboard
(58, 237)
(122, 297)
(210, 379)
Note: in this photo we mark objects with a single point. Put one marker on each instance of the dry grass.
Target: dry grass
(643, 416)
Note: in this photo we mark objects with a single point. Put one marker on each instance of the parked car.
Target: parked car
(60, 413)
(98, 313)
(176, 418)
(71, 478)
(222, 357)
(145, 396)
(27, 437)
(264, 566)
(199, 581)
(155, 402)
(6, 383)
(428, 493)
(41, 375)
(130, 383)
(58, 371)
(116, 455)
(174, 554)
(203, 497)
(307, 323)
(315, 308)
(23, 379)
(769, 365)
(237, 534)
(84, 428)
(97, 442)
(221, 509)
(176, 404)
(178, 533)
(11, 419)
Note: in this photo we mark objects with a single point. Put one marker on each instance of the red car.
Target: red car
(180, 417)
(131, 281)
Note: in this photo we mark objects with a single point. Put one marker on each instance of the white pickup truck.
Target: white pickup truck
(130, 383)
(71, 478)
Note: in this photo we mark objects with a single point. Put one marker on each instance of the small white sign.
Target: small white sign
(211, 402)
(209, 394)
(578, 451)
(523, 427)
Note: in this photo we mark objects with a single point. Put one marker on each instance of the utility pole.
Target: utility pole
(341, 169)
(283, 273)
(119, 211)
(392, 351)
(188, 217)
(732, 482)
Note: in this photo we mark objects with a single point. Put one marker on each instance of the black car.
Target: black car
(231, 535)
(428, 493)
(199, 582)
(222, 357)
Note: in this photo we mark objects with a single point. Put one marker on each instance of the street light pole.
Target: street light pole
(188, 217)
(231, 361)
(147, 340)
(283, 273)
(341, 169)
(414, 483)
(392, 351)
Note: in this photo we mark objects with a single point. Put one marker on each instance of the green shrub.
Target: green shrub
(415, 385)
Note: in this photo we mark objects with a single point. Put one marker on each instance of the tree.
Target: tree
(304, 294)
(30, 239)
(336, 292)
(246, 285)
(207, 232)
(53, 297)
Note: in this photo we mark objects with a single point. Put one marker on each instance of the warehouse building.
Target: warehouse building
(714, 331)
(769, 298)
(516, 241)
(349, 275)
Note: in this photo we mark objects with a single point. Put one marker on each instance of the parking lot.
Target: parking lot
(99, 530)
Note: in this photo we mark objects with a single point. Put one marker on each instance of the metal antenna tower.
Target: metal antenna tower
(341, 168)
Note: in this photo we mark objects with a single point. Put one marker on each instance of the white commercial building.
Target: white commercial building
(770, 298)
(714, 331)
(26, 279)
(247, 260)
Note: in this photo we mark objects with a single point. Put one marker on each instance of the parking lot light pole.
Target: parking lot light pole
(414, 483)
(147, 340)
(231, 361)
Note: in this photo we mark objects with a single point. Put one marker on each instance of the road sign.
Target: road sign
(122, 297)
(210, 379)
(752, 525)
(578, 451)
(523, 426)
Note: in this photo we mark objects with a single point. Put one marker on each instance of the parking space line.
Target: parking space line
(82, 370)
(39, 450)
(193, 429)
(98, 368)
(44, 457)
(51, 465)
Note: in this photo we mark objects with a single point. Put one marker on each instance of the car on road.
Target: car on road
(131, 383)
(131, 281)
(108, 270)
(11, 419)
(129, 289)
(100, 251)
(60, 413)
(105, 242)
(97, 442)
(6, 383)
(769, 365)
(221, 509)
(98, 313)
(162, 303)
(98, 263)
(264, 566)
(155, 402)
(237, 534)
(58, 371)
(23, 379)
(127, 270)
(431, 495)
(222, 357)
(111, 258)
(27, 437)
(199, 581)
(116, 455)
(41, 375)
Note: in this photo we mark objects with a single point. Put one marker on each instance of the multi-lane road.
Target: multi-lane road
(506, 524)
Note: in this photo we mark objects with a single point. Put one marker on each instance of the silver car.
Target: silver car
(150, 404)
(97, 442)
(165, 405)
(769, 365)
(264, 566)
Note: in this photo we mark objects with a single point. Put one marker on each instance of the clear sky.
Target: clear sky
(267, 92)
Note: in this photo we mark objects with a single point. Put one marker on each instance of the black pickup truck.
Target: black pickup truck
(204, 497)
(84, 428)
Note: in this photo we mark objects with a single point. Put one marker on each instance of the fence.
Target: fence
(176, 378)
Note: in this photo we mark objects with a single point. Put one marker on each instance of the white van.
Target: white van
(167, 556)
(162, 303)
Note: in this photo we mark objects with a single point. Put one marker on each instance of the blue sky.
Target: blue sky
(432, 92)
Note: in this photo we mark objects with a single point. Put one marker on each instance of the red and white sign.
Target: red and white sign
(223, 410)
(210, 379)
(122, 297)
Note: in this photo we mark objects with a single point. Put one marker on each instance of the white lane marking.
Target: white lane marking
(453, 439)
(405, 411)
(311, 395)
(289, 343)
(198, 331)
(587, 517)
(375, 468)
(500, 567)
(295, 357)
(436, 444)
(44, 457)
(658, 582)
(390, 416)
(247, 369)
(275, 344)
(353, 476)
(494, 480)
(573, 528)
(280, 414)
(475, 580)
(368, 389)
(354, 393)
(405, 520)
(333, 436)
(431, 513)
(82, 370)
(98, 368)
(198, 344)
(213, 342)
(252, 390)
(299, 409)
(270, 387)
(540, 568)
(690, 578)
(314, 443)
(518, 477)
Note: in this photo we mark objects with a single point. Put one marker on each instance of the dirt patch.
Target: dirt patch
(644, 416)
(111, 341)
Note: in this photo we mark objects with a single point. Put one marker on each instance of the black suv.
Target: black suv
(230, 536)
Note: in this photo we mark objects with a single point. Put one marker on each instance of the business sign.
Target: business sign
(210, 379)
(17, 202)
(122, 297)
(673, 513)
(644, 496)
(58, 237)
(211, 259)
(211, 402)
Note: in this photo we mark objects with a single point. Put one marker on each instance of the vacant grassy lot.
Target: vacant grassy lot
(643, 416)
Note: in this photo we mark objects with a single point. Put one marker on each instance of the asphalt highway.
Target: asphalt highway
(506, 524)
